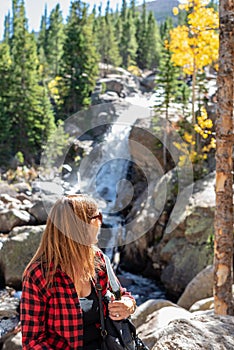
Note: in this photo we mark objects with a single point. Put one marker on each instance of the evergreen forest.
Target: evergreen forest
(46, 77)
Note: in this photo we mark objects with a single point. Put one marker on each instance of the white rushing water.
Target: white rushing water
(103, 173)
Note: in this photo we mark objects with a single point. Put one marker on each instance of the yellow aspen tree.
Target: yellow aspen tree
(195, 45)
(223, 251)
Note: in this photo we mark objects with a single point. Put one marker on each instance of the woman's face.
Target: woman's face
(96, 222)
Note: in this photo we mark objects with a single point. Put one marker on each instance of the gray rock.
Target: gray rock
(9, 303)
(187, 260)
(203, 332)
(203, 305)
(41, 208)
(144, 310)
(23, 187)
(7, 189)
(175, 256)
(160, 319)
(186, 250)
(10, 218)
(6, 198)
(17, 251)
(14, 342)
(200, 287)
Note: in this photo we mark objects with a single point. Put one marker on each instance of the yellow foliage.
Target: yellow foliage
(53, 87)
(212, 145)
(196, 45)
(188, 137)
(135, 70)
(175, 11)
(203, 124)
(202, 127)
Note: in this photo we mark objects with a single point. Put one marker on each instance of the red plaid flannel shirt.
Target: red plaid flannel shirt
(52, 318)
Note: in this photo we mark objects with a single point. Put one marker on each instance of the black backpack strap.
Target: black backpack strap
(102, 319)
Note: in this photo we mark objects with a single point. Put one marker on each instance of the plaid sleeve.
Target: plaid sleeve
(32, 314)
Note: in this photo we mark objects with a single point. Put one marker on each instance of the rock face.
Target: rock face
(115, 83)
(17, 250)
(187, 250)
(200, 287)
(12, 217)
(158, 320)
(14, 342)
(163, 325)
(203, 332)
(176, 257)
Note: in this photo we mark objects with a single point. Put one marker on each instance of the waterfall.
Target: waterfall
(103, 174)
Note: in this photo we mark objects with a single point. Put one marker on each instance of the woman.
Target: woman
(59, 304)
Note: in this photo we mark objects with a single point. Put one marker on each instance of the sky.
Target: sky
(35, 9)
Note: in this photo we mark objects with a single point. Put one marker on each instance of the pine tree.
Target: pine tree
(168, 74)
(42, 48)
(118, 29)
(7, 28)
(133, 8)
(141, 35)
(128, 43)
(124, 10)
(31, 113)
(5, 120)
(80, 59)
(167, 79)
(107, 43)
(153, 41)
(55, 40)
(42, 37)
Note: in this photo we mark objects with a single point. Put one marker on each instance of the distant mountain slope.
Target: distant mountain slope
(161, 8)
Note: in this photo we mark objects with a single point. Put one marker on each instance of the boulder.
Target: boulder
(23, 187)
(175, 256)
(144, 310)
(160, 319)
(7, 199)
(14, 342)
(200, 287)
(188, 249)
(41, 208)
(205, 332)
(205, 304)
(10, 218)
(17, 251)
(150, 209)
(7, 189)
(202, 305)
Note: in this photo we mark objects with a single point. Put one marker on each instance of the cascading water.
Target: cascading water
(103, 175)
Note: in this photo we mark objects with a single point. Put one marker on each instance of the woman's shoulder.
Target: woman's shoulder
(100, 260)
(99, 253)
(34, 271)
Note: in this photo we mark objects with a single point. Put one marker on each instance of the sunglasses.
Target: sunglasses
(98, 216)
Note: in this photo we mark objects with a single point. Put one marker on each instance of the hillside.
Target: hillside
(161, 8)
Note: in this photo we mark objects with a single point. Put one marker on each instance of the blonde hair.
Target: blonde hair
(65, 242)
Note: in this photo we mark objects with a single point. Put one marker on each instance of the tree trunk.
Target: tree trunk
(194, 92)
(193, 147)
(223, 250)
(165, 139)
